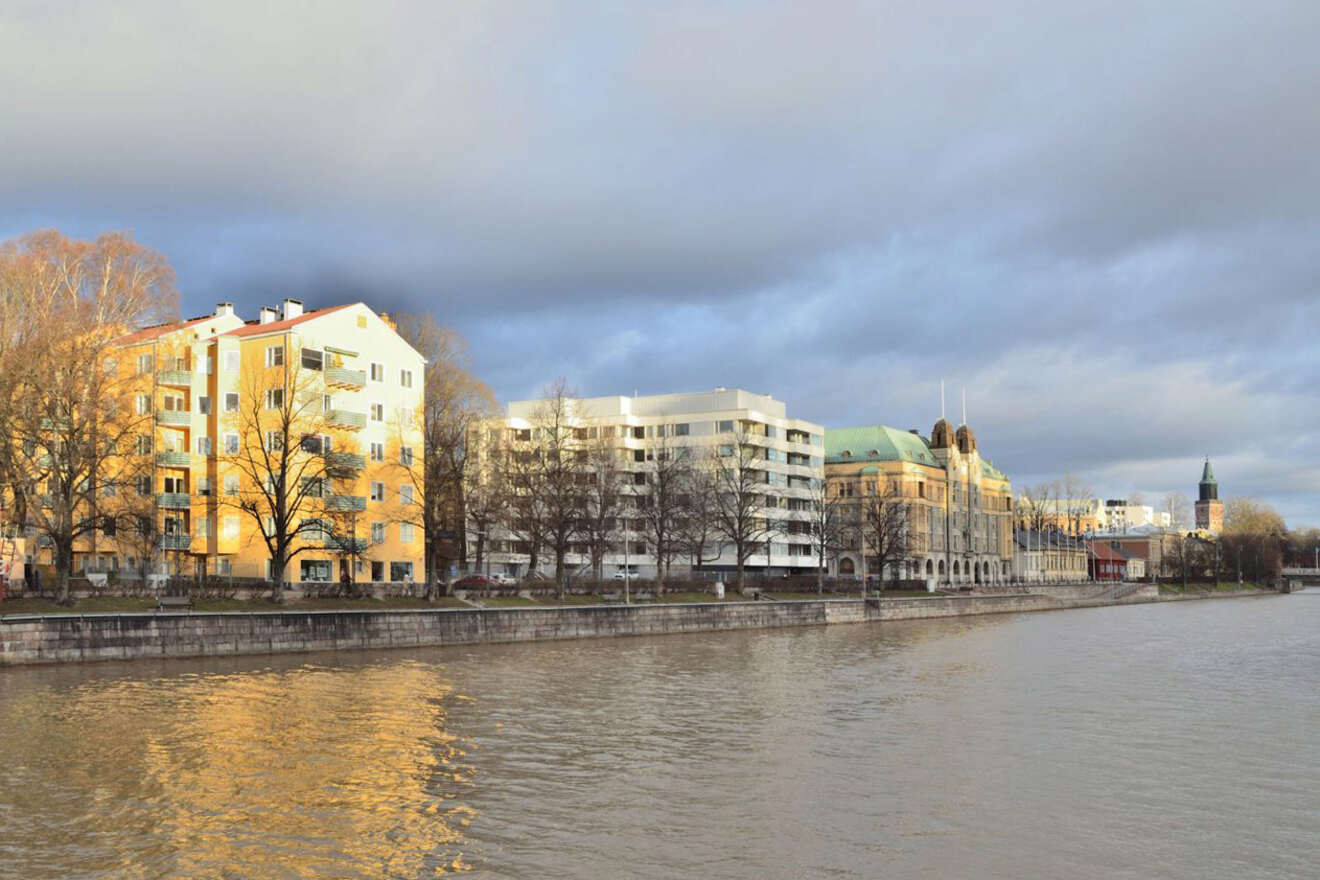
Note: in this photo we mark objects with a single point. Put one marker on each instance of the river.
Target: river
(1174, 740)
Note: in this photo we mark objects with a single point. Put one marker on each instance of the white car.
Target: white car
(504, 580)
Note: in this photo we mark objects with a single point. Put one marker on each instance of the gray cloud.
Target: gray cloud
(1098, 215)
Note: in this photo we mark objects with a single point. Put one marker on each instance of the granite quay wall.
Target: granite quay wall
(76, 638)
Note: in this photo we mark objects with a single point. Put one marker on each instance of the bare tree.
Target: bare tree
(1078, 501)
(286, 484)
(456, 404)
(825, 526)
(1179, 510)
(602, 500)
(64, 402)
(664, 502)
(554, 489)
(885, 528)
(487, 496)
(739, 499)
(1037, 506)
(697, 531)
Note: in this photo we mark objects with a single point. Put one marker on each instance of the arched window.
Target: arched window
(955, 568)
(930, 567)
(846, 566)
(941, 568)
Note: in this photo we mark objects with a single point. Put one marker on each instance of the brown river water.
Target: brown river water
(1175, 740)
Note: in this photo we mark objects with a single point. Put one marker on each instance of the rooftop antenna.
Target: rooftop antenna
(941, 399)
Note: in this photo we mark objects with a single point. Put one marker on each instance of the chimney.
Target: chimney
(267, 315)
(223, 310)
(292, 308)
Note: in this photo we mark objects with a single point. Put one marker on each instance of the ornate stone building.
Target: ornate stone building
(959, 527)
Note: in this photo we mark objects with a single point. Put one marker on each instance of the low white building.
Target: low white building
(1116, 516)
(697, 425)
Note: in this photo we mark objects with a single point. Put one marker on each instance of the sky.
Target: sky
(1099, 218)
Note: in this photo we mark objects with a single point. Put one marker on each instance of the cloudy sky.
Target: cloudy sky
(1102, 218)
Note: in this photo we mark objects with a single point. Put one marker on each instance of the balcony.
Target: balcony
(344, 461)
(339, 377)
(174, 500)
(176, 378)
(345, 503)
(176, 542)
(174, 418)
(345, 545)
(346, 418)
(174, 459)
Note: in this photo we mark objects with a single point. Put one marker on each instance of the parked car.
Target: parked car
(505, 580)
(471, 582)
(619, 576)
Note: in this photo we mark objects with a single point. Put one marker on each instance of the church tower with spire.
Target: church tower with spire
(1209, 509)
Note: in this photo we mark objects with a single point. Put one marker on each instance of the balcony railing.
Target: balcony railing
(175, 377)
(344, 461)
(176, 542)
(345, 545)
(344, 378)
(345, 503)
(174, 500)
(346, 418)
(175, 418)
(174, 459)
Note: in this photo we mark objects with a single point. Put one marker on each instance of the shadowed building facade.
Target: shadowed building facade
(958, 505)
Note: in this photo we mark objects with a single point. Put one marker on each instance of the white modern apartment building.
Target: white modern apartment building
(1116, 516)
(697, 425)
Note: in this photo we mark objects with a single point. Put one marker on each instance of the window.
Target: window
(378, 533)
(144, 485)
(405, 378)
(144, 444)
(314, 569)
(682, 429)
(313, 487)
(175, 403)
(203, 445)
(224, 566)
(406, 456)
(377, 451)
(724, 427)
(312, 358)
(405, 416)
(231, 362)
(145, 364)
(274, 398)
(231, 444)
(176, 484)
(401, 571)
(377, 372)
(111, 366)
(275, 356)
(378, 412)
(231, 402)
(208, 365)
(231, 484)
(377, 491)
(203, 485)
(274, 441)
(204, 405)
(406, 532)
(203, 527)
(142, 404)
(108, 526)
(406, 494)
(109, 490)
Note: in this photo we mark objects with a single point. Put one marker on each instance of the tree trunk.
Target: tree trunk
(742, 575)
(63, 568)
(820, 574)
(560, 575)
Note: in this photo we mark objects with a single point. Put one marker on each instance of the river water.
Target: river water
(1174, 740)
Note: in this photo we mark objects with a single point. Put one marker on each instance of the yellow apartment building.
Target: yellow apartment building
(330, 399)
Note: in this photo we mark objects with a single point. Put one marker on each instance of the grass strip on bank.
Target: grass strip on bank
(1208, 588)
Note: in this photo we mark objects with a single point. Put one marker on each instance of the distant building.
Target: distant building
(1049, 557)
(1209, 509)
(1109, 562)
(1117, 516)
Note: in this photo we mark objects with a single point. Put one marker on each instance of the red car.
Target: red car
(471, 582)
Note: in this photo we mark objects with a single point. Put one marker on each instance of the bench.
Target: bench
(165, 603)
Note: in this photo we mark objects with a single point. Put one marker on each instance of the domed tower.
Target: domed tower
(941, 436)
(1209, 509)
(966, 440)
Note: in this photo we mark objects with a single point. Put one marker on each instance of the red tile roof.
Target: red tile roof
(254, 328)
(146, 334)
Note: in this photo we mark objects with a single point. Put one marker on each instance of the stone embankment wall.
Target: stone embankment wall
(73, 638)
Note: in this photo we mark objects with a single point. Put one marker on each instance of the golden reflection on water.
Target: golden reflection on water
(290, 773)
